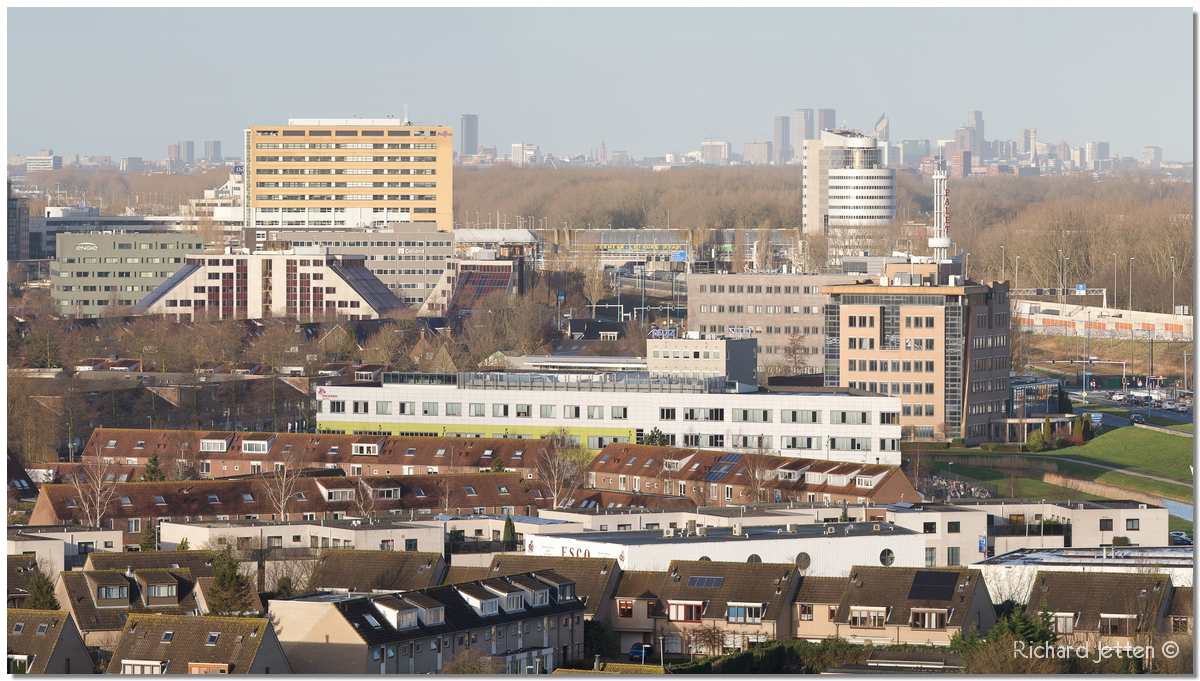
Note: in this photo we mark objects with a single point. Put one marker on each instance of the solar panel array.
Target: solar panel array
(706, 582)
(723, 466)
(930, 585)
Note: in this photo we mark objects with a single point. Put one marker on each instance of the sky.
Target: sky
(130, 81)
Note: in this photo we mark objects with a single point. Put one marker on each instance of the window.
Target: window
(620, 412)
(454, 409)
(133, 525)
(952, 527)
(952, 555)
(162, 591)
(499, 410)
(624, 608)
(870, 618)
(887, 557)
(546, 411)
(570, 411)
(109, 593)
(930, 528)
(1106, 524)
(477, 409)
(685, 612)
(930, 556)
(595, 412)
(666, 413)
(806, 612)
(1132, 524)
(168, 636)
(928, 619)
(1064, 622)
(744, 614)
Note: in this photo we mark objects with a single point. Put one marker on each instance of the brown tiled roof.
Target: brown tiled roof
(1181, 601)
(237, 643)
(602, 498)
(821, 589)
(768, 583)
(29, 642)
(367, 571)
(591, 575)
(465, 573)
(640, 584)
(893, 587)
(198, 563)
(194, 497)
(1087, 594)
(20, 569)
(314, 448)
(80, 586)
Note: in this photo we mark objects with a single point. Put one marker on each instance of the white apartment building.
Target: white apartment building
(848, 189)
(598, 409)
(302, 283)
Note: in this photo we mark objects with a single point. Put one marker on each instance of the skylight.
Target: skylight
(126, 501)
(418, 491)
(470, 490)
(247, 497)
(372, 621)
(213, 499)
(212, 638)
(159, 501)
(167, 636)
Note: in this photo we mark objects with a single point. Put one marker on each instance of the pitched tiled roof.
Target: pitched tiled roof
(38, 646)
(318, 449)
(600, 498)
(1181, 601)
(198, 563)
(903, 588)
(80, 587)
(821, 589)
(237, 642)
(718, 584)
(465, 573)
(20, 569)
(366, 571)
(591, 575)
(1088, 594)
(640, 584)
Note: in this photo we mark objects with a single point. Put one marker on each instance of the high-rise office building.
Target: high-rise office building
(187, 151)
(975, 121)
(1029, 143)
(469, 129)
(967, 139)
(757, 153)
(18, 226)
(912, 151)
(826, 120)
(714, 152)
(1152, 156)
(848, 193)
(1097, 152)
(172, 154)
(133, 164)
(524, 155)
(212, 151)
(883, 128)
(348, 173)
(782, 150)
(804, 127)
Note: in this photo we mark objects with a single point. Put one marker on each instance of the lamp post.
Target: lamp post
(1172, 284)
(1115, 279)
(1131, 283)
(1002, 262)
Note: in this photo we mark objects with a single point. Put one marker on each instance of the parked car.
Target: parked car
(1183, 407)
(1179, 537)
(1138, 418)
(1118, 397)
(1170, 405)
(641, 652)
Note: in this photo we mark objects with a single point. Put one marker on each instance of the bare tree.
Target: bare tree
(365, 502)
(94, 487)
(762, 249)
(280, 487)
(758, 466)
(562, 467)
(793, 352)
(595, 287)
(465, 663)
(709, 637)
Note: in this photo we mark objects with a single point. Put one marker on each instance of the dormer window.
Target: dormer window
(112, 593)
(256, 446)
(365, 449)
(434, 616)
(541, 597)
(162, 591)
(300, 496)
(207, 445)
(406, 619)
(566, 592)
(490, 606)
(514, 602)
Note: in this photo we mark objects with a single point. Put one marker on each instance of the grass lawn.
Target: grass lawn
(1124, 480)
(1175, 523)
(1027, 487)
(1138, 449)
(1185, 427)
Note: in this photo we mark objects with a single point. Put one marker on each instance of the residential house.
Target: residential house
(530, 621)
(376, 571)
(715, 478)
(1183, 614)
(21, 569)
(595, 578)
(101, 601)
(1114, 609)
(45, 642)
(816, 606)
(906, 605)
(747, 602)
(174, 644)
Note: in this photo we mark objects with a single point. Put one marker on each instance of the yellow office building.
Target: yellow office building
(356, 173)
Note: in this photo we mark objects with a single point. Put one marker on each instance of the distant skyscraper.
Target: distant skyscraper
(524, 154)
(602, 157)
(1029, 142)
(803, 128)
(187, 151)
(212, 151)
(1152, 156)
(882, 128)
(975, 120)
(714, 152)
(172, 153)
(757, 153)
(966, 139)
(826, 119)
(470, 135)
(912, 151)
(782, 150)
(847, 193)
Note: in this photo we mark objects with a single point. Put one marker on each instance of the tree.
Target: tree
(365, 501)
(656, 438)
(561, 467)
(710, 638)
(599, 639)
(465, 663)
(94, 488)
(231, 590)
(153, 472)
(284, 587)
(148, 540)
(40, 591)
(183, 545)
(497, 465)
(280, 486)
(758, 466)
(793, 352)
(595, 284)
(509, 537)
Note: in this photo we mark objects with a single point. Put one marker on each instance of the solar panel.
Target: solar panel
(706, 582)
(929, 585)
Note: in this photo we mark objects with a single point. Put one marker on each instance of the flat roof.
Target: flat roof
(1119, 556)
(725, 534)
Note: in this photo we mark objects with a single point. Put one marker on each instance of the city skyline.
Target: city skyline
(569, 104)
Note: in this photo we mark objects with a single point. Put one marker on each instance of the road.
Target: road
(1118, 421)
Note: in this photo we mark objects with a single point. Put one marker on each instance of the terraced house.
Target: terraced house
(521, 623)
(45, 642)
(1104, 608)
(719, 478)
(172, 644)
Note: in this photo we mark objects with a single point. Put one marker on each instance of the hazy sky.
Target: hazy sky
(131, 81)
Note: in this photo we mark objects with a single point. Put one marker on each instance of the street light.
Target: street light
(1002, 262)
(1172, 284)
(1131, 283)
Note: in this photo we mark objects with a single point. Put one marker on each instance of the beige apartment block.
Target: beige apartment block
(937, 342)
(348, 173)
(777, 309)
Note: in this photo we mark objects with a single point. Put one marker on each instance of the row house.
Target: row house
(527, 622)
(1110, 609)
(154, 644)
(134, 505)
(715, 478)
(233, 454)
(45, 642)
(747, 602)
(100, 601)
